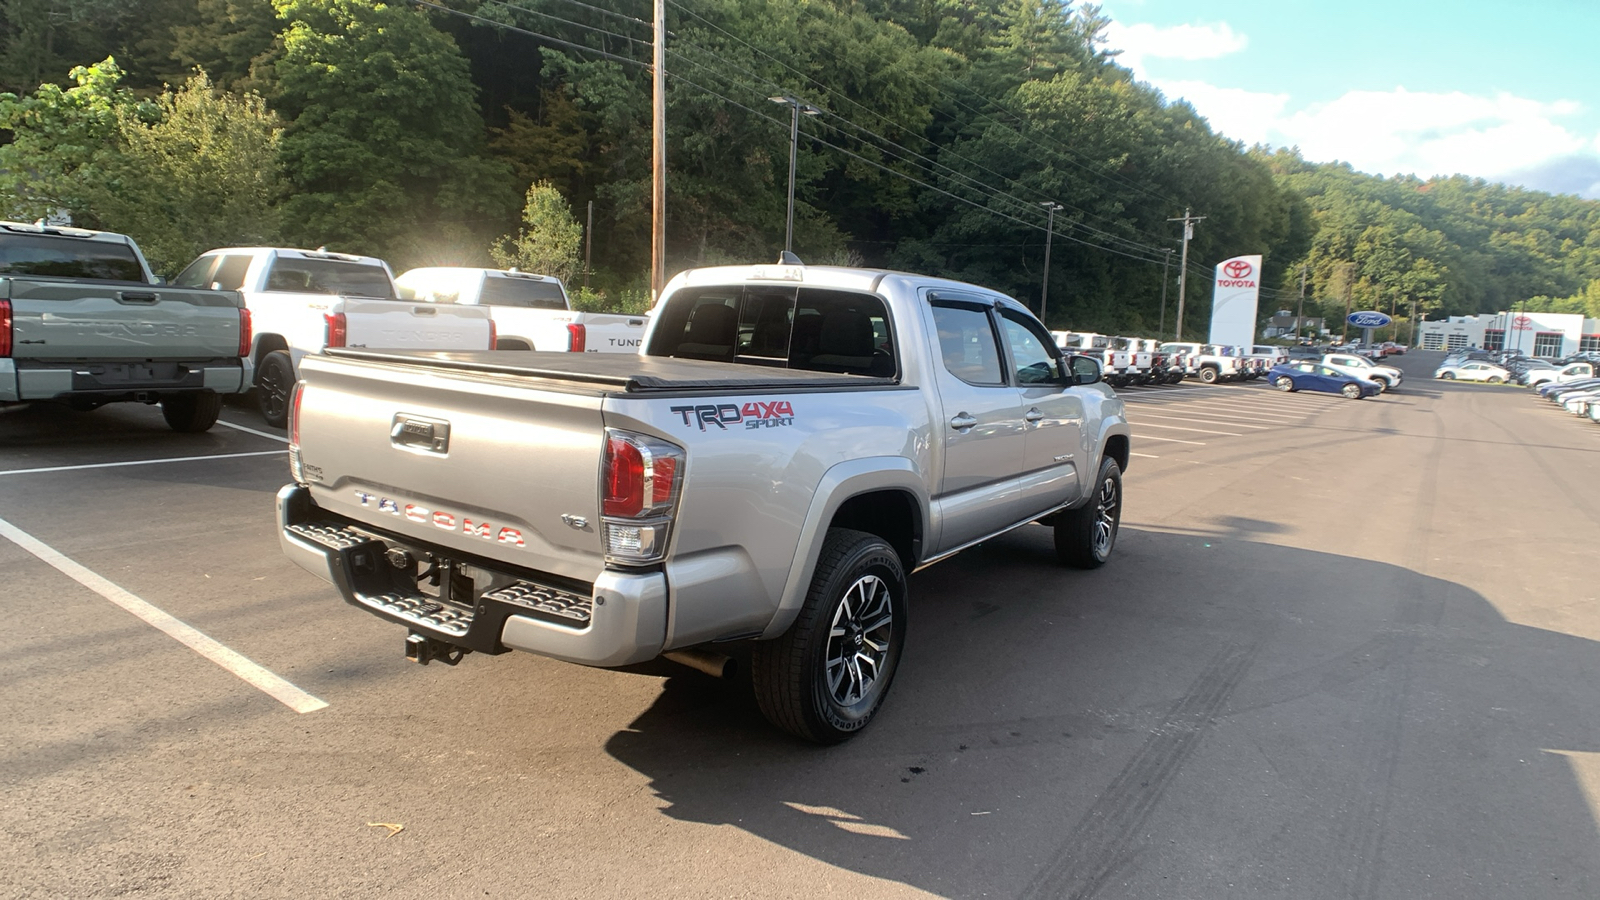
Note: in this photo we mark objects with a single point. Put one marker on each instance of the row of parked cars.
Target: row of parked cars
(1513, 367)
(85, 322)
(1147, 361)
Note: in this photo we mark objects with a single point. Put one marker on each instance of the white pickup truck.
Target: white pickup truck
(1387, 377)
(1206, 362)
(1117, 364)
(790, 444)
(531, 312)
(1572, 372)
(304, 301)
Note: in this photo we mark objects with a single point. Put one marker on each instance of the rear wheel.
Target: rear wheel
(1208, 375)
(1448, 376)
(826, 677)
(274, 382)
(1086, 536)
(1284, 383)
(191, 413)
(1496, 379)
(1353, 391)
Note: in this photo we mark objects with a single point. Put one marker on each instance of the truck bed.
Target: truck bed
(626, 373)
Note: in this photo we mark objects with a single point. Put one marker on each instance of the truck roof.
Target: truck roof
(65, 231)
(839, 277)
(624, 372)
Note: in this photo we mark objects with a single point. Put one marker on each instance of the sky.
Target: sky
(1502, 91)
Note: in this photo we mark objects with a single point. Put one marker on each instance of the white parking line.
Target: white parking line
(1205, 421)
(1144, 456)
(269, 683)
(139, 462)
(1232, 413)
(265, 434)
(1151, 437)
(1181, 428)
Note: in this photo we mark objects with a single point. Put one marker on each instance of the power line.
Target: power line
(540, 36)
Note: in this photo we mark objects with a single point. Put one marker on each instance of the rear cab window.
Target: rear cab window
(62, 256)
(345, 278)
(815, 329)
(522, 292)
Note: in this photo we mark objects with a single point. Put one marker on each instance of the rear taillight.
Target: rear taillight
(5, 329)
(639, 493)
(244, 333)
(577, 338)
(296, 470)
(335, 329)
(494, 336)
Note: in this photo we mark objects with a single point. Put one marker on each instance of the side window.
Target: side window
(230, 273)
(197, 274)
(967, 343)
(841, 331)
(1031, 354)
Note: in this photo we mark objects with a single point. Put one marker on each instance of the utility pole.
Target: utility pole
(1165, 264)
(658, 158)
(1049, 231)
(1395, 336)
(588, 245)
(1183, 264)
(1412, 341)
(1344, 332)
(1300, 314)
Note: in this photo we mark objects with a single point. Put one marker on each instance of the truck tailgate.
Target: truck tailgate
(502, 470)
(85, 320)
(612, 333)
(399, 324)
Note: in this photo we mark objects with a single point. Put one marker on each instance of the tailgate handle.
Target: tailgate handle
(420, 434)
(424, 311)
(138, 296)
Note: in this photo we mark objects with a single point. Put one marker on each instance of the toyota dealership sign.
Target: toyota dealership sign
(1235, 294)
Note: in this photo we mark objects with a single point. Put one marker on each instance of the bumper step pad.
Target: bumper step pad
(561, 606)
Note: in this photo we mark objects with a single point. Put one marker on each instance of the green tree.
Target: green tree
(382, 150)
(64, 141)
(203, 174)
(549, 239)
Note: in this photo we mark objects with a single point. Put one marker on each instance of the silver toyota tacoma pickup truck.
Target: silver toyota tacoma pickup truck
(791, 442)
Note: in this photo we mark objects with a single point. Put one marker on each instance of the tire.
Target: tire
(1284, 383)
(1086, 536)
(1353, 391)
(1496, 379)
(191, 413)
(274, 384)
(858, 591)
(1208, 375)
(1383, 385)
(1448, 376)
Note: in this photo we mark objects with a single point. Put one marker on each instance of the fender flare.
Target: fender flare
(841, 482)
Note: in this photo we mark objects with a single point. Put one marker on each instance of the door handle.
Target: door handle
(1033, 415)
(963, 422)
(137, 296)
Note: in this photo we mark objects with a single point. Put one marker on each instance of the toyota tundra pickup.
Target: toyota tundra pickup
(83, 322)
(530, 312)
(304, 301)
(791, 442)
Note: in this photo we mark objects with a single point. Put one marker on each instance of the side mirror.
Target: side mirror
(1085, 370)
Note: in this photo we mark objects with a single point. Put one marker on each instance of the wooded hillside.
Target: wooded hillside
(413, 131)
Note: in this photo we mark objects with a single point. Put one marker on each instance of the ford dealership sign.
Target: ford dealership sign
(1368, 319)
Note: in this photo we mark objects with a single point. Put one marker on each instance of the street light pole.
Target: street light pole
(1049, 231)
(797, 107)
(1161, 329)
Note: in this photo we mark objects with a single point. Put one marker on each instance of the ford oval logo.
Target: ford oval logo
(1368, 319)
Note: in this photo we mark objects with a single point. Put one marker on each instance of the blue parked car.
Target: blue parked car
(1305, 375)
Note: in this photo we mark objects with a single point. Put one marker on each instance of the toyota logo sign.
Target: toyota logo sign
(1237, 268)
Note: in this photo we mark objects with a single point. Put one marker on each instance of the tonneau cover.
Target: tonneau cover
(625, 372)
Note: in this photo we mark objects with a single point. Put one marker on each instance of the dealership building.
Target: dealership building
(1534, 333)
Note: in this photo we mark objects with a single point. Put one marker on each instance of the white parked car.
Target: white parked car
(1387, 377)
(1474, 370)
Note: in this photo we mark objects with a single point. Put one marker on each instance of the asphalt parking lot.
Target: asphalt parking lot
(1344, 649)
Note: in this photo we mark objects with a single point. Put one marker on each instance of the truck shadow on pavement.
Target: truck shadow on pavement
(1204, 717)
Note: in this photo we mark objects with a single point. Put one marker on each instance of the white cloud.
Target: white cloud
(1144, 41)
(1497, 137)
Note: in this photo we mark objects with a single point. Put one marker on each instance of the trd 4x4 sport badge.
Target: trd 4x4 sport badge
(755, 414)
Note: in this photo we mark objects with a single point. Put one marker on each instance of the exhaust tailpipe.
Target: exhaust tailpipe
(714, 664)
